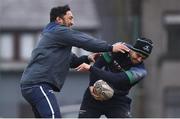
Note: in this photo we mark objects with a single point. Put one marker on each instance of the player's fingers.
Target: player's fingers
(93, 60)
(121, 50)
(96, 97)
(79, 68)
(125, 48)
(91, 88)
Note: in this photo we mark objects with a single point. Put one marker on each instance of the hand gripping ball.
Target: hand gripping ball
(103, 90)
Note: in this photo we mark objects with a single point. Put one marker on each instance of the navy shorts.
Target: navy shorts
(42, 100)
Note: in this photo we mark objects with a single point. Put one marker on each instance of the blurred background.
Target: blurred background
(21, 22)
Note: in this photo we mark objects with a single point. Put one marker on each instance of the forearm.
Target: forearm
(78, 39)
(76, 61)
(128, 78)
(90, 43)
(120, 78)
(135, 74)
(100, 62)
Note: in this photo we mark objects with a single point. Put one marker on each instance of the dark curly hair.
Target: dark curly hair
(59, 11)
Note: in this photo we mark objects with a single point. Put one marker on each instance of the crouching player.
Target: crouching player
(121, 71)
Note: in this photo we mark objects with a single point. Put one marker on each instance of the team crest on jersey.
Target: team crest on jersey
(146, 48)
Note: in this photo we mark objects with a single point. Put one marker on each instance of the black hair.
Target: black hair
(59, 11)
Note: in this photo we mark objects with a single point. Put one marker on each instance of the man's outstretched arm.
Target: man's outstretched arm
(129, 77)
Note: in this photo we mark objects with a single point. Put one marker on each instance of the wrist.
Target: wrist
(110, 48)
(90, 68)
(89, 59)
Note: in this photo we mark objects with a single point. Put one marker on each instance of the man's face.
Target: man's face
(136, 57)
(68, 19)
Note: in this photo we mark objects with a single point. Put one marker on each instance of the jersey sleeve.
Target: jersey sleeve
(100, 63)
(107, 56)
(135, 74)
(113, 78)
(76, 61)
(78, 39)
(124, 78)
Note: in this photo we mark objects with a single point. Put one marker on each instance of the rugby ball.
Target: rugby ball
(103, 90)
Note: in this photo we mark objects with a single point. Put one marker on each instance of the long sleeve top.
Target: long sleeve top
(50, 59)
(119, 72)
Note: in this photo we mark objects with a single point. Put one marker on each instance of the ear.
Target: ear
(59, 20)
